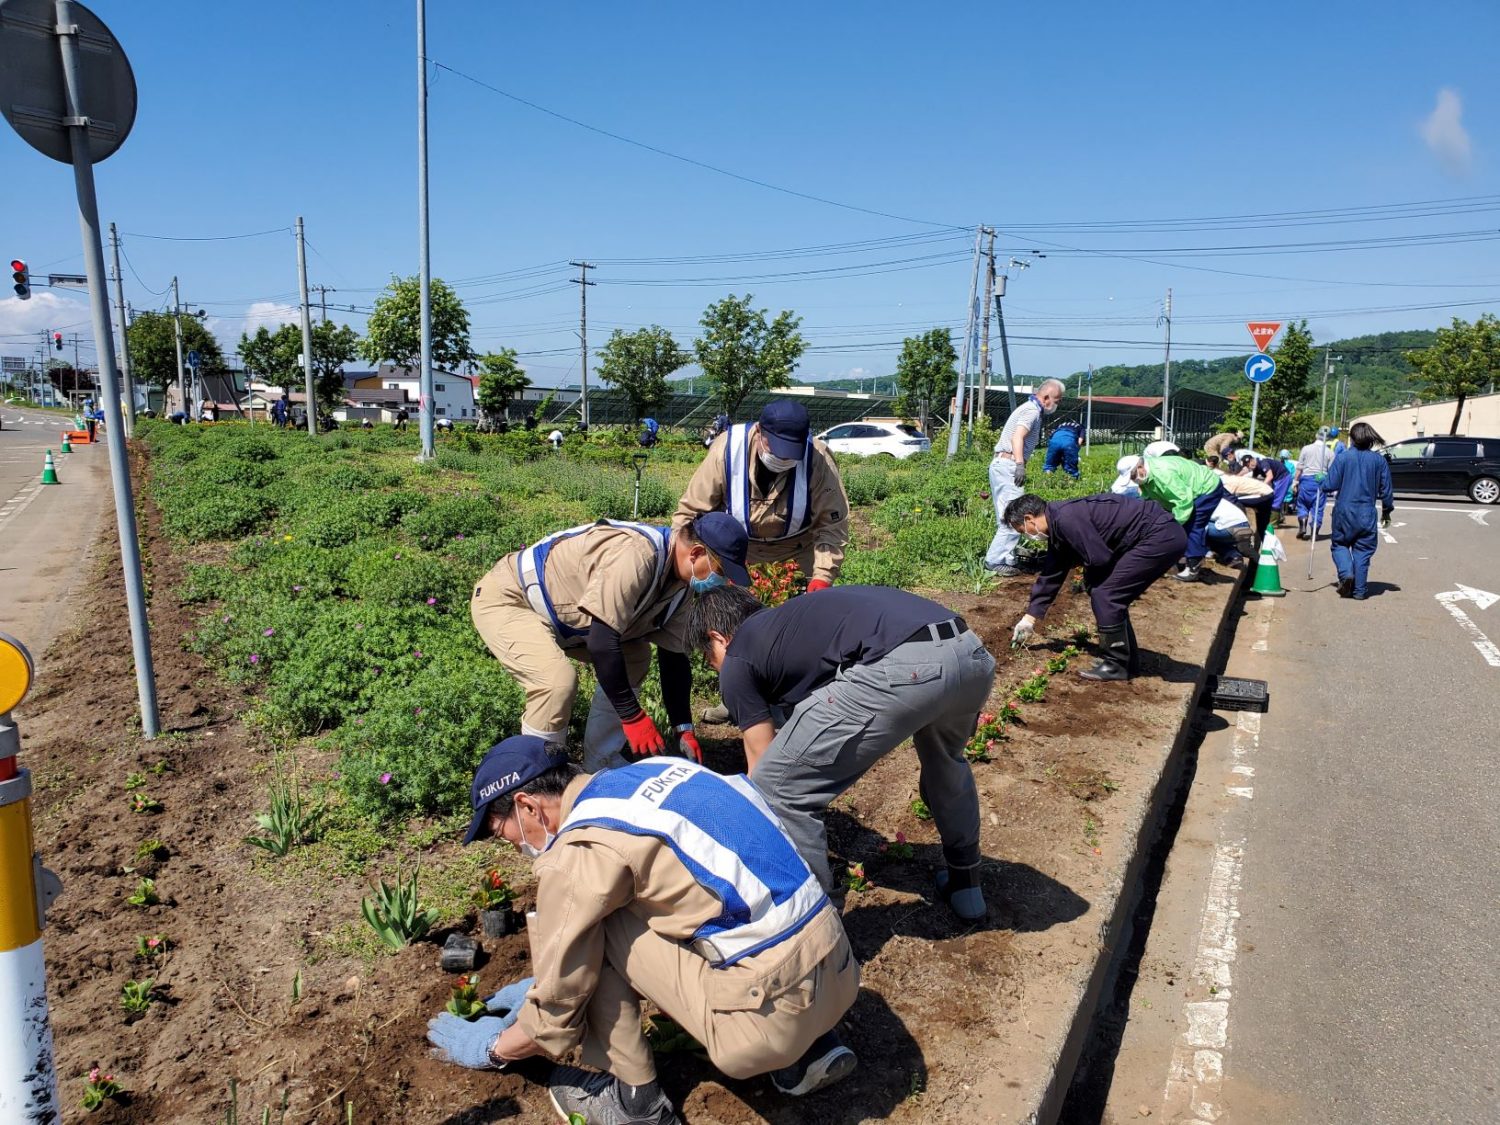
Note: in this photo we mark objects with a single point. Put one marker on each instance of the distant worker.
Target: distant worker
(1313, 464)
(1062, 449)
(1018, 440)
(1123, 544)
(604, 593)
(278, 412)
(1248, 490)
(1220, 444)
(402, 414)
(650, 433)
(1361, 478)
(556, 438)
(1188, 490)
(861, 670)
(719, 424)
(1275, 473)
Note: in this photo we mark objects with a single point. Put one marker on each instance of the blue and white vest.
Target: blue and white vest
(531, 569)
(726, 836)
(737, 466)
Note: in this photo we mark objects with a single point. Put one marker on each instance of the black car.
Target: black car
(1454, 466)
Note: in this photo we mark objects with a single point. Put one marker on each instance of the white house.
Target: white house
(452, 395)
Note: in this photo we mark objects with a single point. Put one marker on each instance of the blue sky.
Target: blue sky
(1033, 118)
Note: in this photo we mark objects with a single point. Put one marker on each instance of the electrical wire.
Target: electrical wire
(207, 237)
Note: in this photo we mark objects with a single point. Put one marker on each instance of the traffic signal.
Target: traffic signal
(21, 275)
(57, 341)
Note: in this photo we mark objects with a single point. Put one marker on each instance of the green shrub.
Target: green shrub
(884, 567)
(393, 576)
(447, 517)
(209, 511)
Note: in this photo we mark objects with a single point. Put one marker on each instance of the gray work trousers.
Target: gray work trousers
(929, 691)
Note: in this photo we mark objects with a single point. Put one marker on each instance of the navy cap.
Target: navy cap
(725, 536)
(507, 766)
(786, 427)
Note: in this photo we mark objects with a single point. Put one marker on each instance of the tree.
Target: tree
(395, 328)
(277, 358)
(501, 378)
(926, 371)
(1462, 361)
(741, 353)
(268, 355)
(639, 363)
(1283, 418)
(153, 353)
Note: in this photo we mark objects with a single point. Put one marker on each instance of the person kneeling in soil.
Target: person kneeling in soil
(1188, 490)
(662, 881)
(1123, 544)
(862, 669)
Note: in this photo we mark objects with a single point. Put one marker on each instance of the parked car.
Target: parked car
(871, 439)
(1453, 466)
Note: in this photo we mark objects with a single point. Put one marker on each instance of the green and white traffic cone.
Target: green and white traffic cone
(67, 446)
(1267, 581)
(49, 471)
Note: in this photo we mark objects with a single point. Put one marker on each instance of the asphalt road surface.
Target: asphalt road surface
(1324, 945)
(45, 530)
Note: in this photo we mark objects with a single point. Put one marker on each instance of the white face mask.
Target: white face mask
(529, 850)
(778, 464)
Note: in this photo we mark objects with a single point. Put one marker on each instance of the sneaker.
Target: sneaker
(1006, 571)
(716, 714)
(824, 1063)
(1186, 574)
(600, 1100)
(1346, 587)
(961, 891)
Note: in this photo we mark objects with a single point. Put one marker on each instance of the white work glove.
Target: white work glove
(1023, 631)
(1020, 474)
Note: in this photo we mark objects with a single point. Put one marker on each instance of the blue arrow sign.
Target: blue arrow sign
(1259, 368)
(192, 360)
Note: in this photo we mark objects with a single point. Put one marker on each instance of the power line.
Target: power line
(207, 237)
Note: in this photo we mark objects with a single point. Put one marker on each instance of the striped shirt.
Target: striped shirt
(1028, 414)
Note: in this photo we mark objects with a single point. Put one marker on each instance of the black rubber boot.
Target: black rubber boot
(1114, 655)
(1301, 529)
(1133, 664)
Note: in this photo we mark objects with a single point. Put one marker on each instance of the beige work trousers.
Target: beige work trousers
(741, 1041)
(526, 645)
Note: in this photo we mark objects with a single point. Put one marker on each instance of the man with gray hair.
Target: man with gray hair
(1023, 429)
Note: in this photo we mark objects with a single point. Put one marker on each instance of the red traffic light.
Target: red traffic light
(17, 266)
(21, 275)
(57, 340)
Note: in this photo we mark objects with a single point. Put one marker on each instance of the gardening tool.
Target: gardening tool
(639, 460)
(1317, 522)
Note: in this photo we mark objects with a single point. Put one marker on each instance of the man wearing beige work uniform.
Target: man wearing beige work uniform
(604, 593)
(662, 881)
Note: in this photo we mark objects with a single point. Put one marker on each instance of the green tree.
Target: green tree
(741, 353)
(926, 372)
(1284, 417)
(1462, 361)
(269, 356)
(277, 358)
(501, 378)
(153, 354)
(638, 363)
(395, 329)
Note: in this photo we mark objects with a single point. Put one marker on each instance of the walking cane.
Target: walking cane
(1317, 522)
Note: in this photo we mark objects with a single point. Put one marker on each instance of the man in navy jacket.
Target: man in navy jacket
(1123, 544)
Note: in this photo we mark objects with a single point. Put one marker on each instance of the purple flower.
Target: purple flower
(269, 633)
(460, 535)
(385, 778)
(359, 722)
(296, 589)
(398, 556)
(418, 711)
(417, 653)
(226, 619)
(337, 775)
(255, 658)
(432, 601)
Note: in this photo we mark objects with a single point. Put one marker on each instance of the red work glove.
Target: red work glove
(687, 743)
(642, 735)
(818, 584)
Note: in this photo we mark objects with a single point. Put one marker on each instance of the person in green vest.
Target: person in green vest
(1188, 490)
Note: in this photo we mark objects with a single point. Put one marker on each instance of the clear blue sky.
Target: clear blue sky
(1034, 118)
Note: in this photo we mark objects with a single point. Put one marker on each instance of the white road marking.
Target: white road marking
(1408, 509)
(19, 503)
(1482, 599)
(1478, 517)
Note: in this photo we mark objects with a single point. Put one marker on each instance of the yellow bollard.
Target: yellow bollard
(28, 1079)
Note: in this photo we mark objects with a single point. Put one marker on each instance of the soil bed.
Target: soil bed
(953, 1023)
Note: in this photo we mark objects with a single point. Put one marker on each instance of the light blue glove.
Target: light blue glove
(465, 1042)
(507, 1002)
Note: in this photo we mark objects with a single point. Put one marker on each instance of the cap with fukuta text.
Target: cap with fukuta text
(507, 766)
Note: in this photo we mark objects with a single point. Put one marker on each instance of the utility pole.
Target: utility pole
(1010, 382)
(182, 402)
(583, 283)
(425, 415)
(127, 385)
(307, 367)
(1166, 373)
(956, 416)
(984, 344)
(1088, 414)
(323, 291)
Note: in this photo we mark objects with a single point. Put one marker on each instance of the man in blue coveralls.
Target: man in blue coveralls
(1361, 477)
(1062, 449)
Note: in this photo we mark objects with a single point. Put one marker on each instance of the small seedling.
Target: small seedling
(1008, 713)
(1057, 665)
(577, 1119)
(493, 893)
(135, 781)
(99, 1088)
(149, 948)
(855, 878)
(897, 849)
(465, 1003)
(397, 915)
(291, 821)
(145, 894)
(297, 988)
(1108, 784)
(143, 802)
(160, 768)
(1091, 831)
(920, 810)
(666, 1036)
(1033, 690)
(150, 849)
(136, 995)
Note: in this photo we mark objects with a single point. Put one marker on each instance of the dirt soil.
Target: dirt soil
(953, 1022)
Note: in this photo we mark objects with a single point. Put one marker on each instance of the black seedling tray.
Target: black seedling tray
(1229, 693)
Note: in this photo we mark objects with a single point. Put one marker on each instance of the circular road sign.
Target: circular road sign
(15, 672)
(1259, 368)
(31, 81)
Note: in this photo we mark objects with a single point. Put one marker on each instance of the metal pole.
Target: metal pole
(1344, 406)
(1088, 423)
(984, 344)
(127, 385)
(425, 404)
(182, 402)
(1327, 366)
(93, 255)
(1254, 409)
(583, 283)
(956, 417)
(1010, 382)
(307, 367)
(1166, 375)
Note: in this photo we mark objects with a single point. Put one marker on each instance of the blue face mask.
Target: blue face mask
(704, 585)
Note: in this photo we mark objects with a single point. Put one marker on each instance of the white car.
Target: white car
(871, 439)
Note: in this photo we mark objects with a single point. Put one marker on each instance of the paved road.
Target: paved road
(1324, 945)
(45, 531)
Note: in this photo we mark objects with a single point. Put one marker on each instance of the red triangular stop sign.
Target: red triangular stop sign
(1262, 331)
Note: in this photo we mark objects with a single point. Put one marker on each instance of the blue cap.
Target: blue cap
(507, 766)
(786, 427)
(725, 536)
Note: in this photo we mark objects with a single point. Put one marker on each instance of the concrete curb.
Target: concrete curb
(1115, 930)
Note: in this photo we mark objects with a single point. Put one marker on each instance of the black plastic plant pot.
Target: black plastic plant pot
(499, 923)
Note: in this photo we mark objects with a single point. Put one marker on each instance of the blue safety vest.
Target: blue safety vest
(725, 835)
(531, 569)
(737, 467)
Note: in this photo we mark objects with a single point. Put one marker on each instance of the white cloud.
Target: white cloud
(1443, 130)
(269, 314)
(23, 322)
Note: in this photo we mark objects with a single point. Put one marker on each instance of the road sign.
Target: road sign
(193, 360)
(78, 279)
(1259, 368)
(13, 364)
(32, 85)
(1262, 332)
